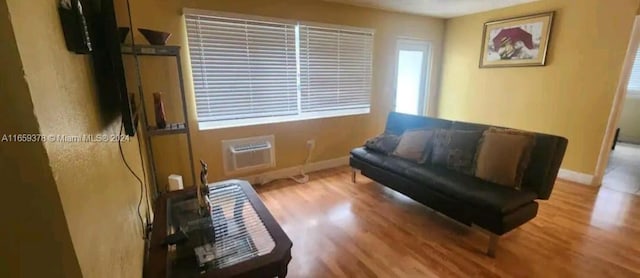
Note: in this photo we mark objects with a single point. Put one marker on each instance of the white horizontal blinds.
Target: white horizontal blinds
(634, 81)
(242, 68)
(335, 68)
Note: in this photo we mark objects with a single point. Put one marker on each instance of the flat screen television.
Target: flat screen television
(115, 100)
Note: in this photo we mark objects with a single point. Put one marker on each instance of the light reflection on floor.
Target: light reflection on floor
(610, 209)
(341, 213)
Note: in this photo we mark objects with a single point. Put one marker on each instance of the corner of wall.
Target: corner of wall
(81, 189)
(38, 242)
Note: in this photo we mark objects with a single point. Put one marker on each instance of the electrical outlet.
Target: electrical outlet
(311, 144)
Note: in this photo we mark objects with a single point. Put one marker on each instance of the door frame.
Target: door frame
(618, 103)
(427, 67)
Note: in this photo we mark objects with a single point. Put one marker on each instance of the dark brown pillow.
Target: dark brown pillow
(384, 143)
(414, 145)
(503, 156)
(455, 149)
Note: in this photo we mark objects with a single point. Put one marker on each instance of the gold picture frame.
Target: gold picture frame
(516, 42)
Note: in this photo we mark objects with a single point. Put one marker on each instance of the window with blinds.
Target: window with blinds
(253, 71)
(633, 87)
(335, 69)
(242, 69)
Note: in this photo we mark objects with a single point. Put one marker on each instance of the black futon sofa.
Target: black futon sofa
(465, 198)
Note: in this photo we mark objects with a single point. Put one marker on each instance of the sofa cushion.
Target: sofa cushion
(453, 184)
(503, 156)
(389, 163)
(455, 149)
(470, 189)
(375, 158)
(383, 143)
(415, 145)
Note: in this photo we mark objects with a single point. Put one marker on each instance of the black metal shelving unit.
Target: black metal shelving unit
(171, 128)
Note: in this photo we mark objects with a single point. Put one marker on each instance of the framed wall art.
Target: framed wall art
(516, 42)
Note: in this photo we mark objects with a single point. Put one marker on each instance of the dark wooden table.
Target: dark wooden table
(239, 239)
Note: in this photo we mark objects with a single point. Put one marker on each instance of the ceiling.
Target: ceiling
(435, 8)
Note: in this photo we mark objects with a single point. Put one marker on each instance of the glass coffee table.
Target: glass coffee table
(240, 238)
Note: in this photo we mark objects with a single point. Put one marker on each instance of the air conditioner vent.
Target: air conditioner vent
(248, 154)
(251, 147)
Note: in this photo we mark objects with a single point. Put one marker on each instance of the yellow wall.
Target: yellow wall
(571, 96)
(334, 136)
(94, 189)
(35, 239)
(629, 119)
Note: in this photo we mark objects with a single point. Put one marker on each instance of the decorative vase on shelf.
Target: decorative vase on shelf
(155, 37)
(161, 121)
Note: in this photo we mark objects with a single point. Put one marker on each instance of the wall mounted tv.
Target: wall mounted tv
(115, 100)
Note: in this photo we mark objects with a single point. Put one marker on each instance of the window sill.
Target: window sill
(209, 125)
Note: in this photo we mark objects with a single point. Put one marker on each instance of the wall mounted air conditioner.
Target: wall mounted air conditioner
(248, 154)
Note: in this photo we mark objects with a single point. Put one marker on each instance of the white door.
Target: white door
(412, 72)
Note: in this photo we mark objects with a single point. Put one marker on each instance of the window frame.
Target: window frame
(300, 116)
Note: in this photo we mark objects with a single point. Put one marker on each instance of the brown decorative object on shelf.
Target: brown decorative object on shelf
(158, 104)
(155, 37)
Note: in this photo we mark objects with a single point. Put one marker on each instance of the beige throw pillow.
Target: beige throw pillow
(503, 156)
(414, 145)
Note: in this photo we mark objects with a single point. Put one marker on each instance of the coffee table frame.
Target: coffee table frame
(273, 264)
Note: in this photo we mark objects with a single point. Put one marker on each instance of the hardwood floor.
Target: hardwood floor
(341, 229)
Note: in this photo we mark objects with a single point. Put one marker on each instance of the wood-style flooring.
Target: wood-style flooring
(341, 229)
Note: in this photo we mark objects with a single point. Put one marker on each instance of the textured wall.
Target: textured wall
(35, 240)
(571, 96)
(97, 193)
(334, 136)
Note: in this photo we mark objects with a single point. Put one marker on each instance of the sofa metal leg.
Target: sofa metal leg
(493, 244)
(354, 171)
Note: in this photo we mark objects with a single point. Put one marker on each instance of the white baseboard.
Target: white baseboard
(266, 177)
(576, 177)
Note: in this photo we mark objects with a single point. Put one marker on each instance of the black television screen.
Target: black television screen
(108, 65)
